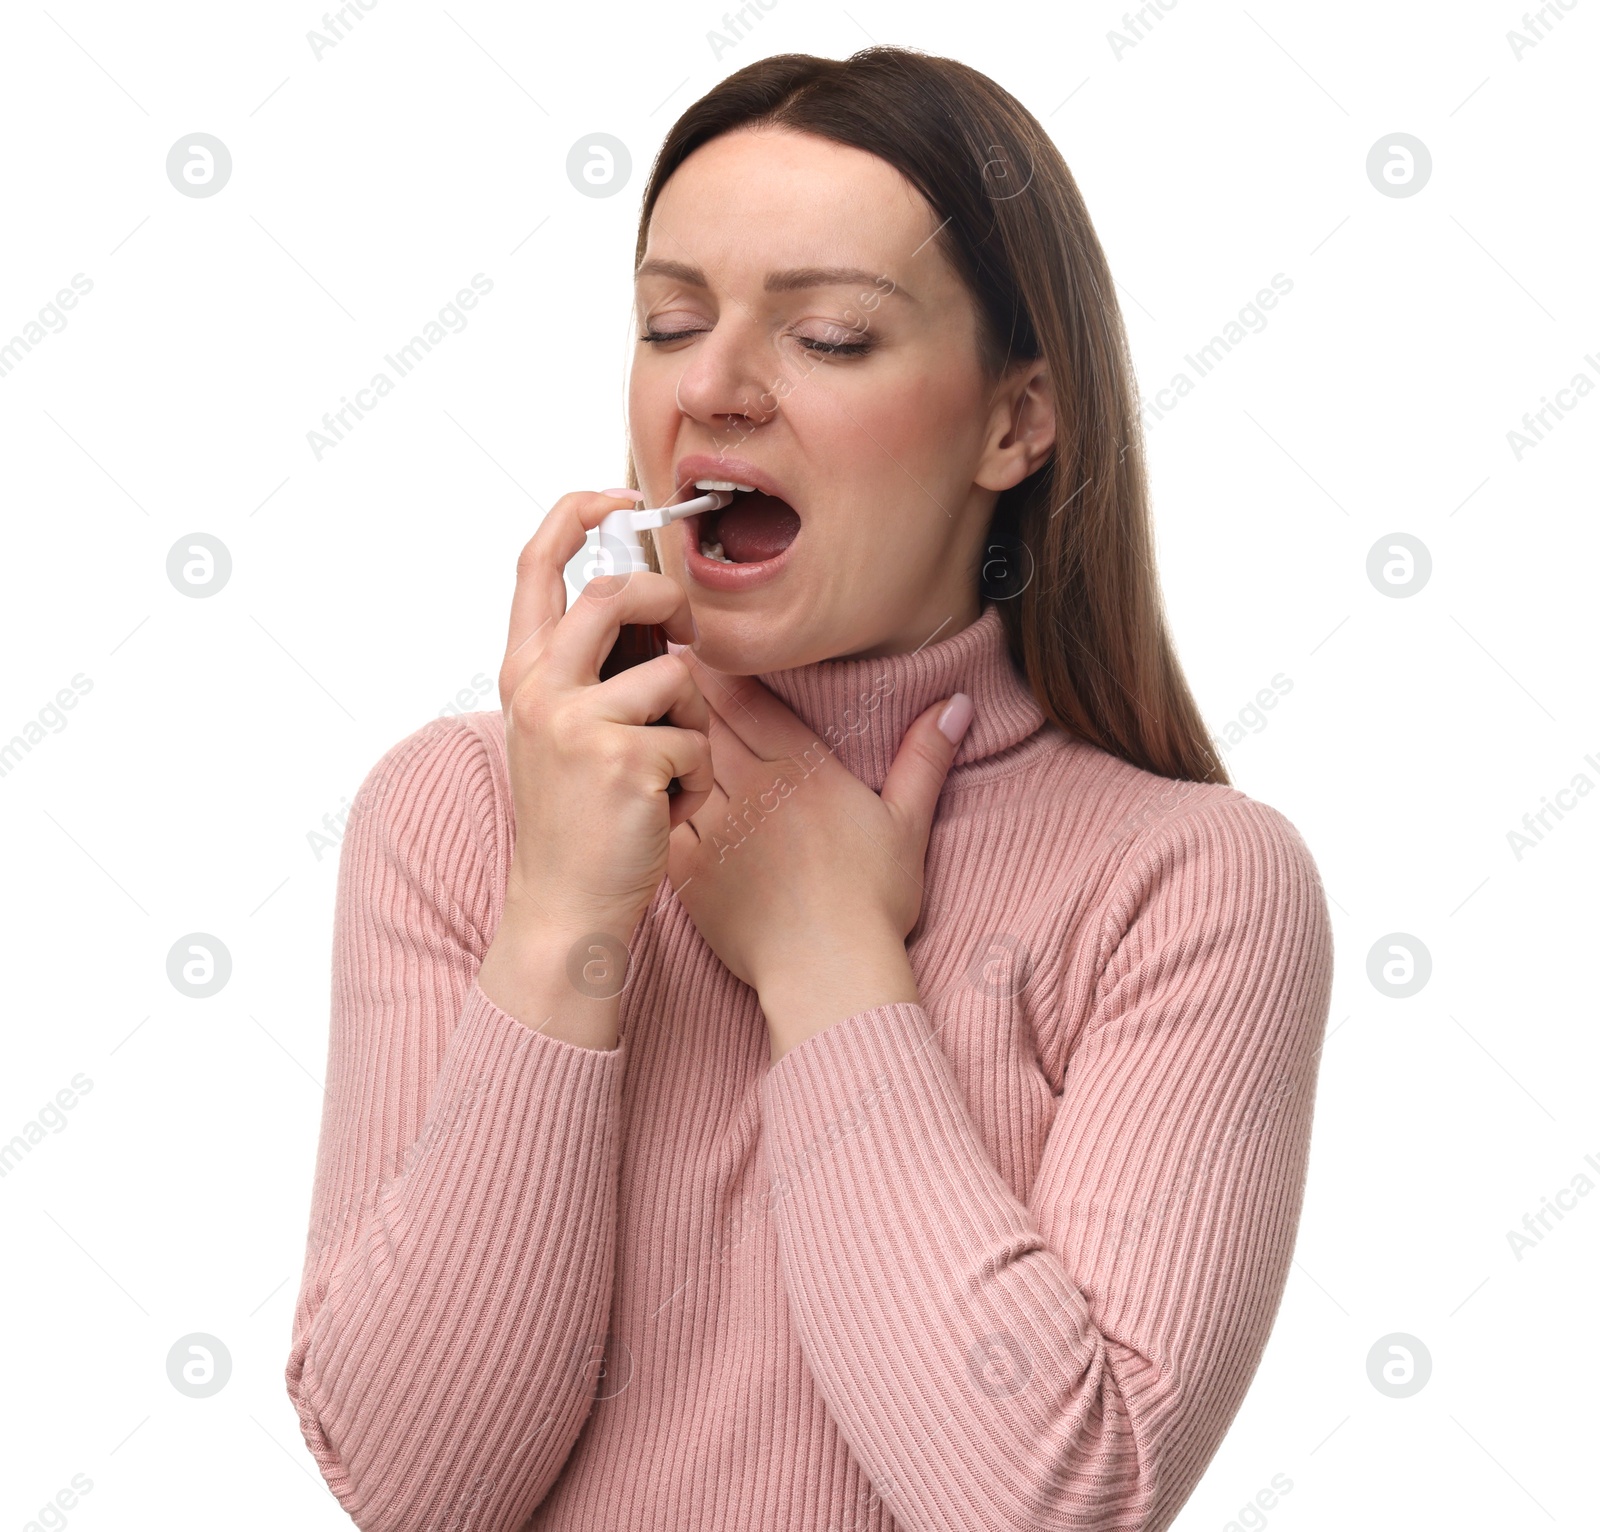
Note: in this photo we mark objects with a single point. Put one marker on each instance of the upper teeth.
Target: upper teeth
(723, 484)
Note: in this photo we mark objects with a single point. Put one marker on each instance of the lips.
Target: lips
(700, 465)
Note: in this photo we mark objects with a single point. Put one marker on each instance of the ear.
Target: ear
(1022, 426)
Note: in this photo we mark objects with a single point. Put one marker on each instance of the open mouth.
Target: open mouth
(751, 529)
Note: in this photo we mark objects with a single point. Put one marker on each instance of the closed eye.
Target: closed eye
(820, 347)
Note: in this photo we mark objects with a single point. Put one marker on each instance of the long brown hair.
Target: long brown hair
(1069, 555)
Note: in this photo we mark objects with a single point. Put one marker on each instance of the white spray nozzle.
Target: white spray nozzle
(664, 515)
(618, 549)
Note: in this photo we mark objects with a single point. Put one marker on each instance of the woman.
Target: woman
(904, 1122)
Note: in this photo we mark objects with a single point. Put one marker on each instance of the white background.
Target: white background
(370, 588)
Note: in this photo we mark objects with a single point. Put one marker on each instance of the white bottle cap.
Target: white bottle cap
(618, 549)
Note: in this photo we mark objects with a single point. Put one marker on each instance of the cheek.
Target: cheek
(919, 415)
(640, 403)
(905, 436)
(651, 394)
(916, 439)
(651, 417)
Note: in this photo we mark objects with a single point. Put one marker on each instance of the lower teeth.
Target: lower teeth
(714, 551)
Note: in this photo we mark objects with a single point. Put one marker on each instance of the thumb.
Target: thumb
(911, 789)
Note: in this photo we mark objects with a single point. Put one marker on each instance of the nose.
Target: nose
(724, 382)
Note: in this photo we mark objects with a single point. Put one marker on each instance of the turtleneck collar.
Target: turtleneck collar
(861, 708)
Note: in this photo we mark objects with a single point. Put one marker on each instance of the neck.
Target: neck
(955, 615)
(861, 707)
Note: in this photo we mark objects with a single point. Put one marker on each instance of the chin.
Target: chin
(745, 644)
(750, 633)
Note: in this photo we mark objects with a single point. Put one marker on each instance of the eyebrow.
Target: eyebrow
(795, 280)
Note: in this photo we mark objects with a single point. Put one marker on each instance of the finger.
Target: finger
(921, 764)
(583, 638)
(540, 597)
(710, 818)
(756, 715)
(686, 755)
(733, 759)
(744, 779)
(662, 687)
(708, 812)
(680, 815)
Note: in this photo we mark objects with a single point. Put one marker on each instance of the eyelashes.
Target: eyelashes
(818, 347)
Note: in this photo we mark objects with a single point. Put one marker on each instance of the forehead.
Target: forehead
(751, 200)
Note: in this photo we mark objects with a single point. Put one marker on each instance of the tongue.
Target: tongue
(756, 527)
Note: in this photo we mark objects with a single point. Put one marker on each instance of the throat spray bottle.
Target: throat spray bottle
(618, 551)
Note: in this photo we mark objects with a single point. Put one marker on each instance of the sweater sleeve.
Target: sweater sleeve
(1071, 1362)
(456, 1289)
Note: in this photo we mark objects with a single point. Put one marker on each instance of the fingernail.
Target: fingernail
(625, 494)
(953, 721)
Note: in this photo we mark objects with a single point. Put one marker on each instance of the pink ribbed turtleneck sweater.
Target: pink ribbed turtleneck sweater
(1006, 1258)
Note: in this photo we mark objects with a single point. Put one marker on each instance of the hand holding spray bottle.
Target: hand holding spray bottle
(620, 552)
